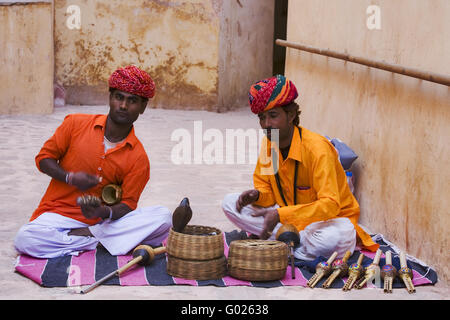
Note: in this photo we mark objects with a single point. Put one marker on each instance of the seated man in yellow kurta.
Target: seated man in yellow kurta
(302, 184)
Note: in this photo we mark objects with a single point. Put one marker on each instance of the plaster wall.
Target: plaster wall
(26, 57)
(246, 49)
(202, 54)
(398, 125)
(175, 41)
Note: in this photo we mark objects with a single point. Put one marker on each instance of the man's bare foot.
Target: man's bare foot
(84, 232)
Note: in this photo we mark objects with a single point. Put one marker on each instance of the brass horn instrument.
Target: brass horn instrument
(111, 194)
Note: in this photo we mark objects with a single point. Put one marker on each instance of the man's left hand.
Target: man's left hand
(271, 219)
(92, 212)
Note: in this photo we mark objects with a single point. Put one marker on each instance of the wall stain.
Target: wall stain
(123, 35)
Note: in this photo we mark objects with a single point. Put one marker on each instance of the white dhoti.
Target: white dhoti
(320, 238)
(47, 235)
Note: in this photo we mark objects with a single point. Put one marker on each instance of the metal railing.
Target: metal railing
(411, 72)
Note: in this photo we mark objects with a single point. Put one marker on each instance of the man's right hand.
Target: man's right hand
(83, 180)
(246, 198)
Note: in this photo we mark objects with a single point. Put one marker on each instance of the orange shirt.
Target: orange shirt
(322, 189)
(78, 146)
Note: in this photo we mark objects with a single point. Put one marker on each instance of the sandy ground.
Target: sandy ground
(22, 186)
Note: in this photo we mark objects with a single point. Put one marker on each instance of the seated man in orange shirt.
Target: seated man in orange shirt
(298, 180)
(86, 153)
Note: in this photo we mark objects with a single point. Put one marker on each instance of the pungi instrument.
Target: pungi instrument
(322, 269)
(354, 272)
(405, 274)
(372, 271)
(388, 273)
(339, 269)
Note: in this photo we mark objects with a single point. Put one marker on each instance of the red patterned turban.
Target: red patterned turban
(133, 80)
(270, 93)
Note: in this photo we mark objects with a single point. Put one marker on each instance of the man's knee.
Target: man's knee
(165, 217)
(158, 214)
(324, 237)
(229, 202)
(25, 240)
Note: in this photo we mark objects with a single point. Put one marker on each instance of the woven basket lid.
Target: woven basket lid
(257, 260)
(196, 243)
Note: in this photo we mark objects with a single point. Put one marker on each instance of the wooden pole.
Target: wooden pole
(411, 72)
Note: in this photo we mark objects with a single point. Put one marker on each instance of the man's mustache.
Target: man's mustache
(268, 132)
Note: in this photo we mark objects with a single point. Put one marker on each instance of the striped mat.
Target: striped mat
(90, 266)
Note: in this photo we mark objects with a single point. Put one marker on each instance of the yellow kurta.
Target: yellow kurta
(322, 189)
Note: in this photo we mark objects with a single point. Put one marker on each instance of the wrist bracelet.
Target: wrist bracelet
(69, 177)
(110, 212)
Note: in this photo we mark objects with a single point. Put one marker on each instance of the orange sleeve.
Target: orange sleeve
(326, 206)
(134, 182)
(56, 146)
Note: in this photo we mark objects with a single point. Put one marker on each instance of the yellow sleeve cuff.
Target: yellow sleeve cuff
(264, 200)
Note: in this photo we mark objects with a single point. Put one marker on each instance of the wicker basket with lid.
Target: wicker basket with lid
(196, 253)
(258, 260)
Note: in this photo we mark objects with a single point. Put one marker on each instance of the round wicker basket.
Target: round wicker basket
(258, 260)
(195, 243)
(197, 269)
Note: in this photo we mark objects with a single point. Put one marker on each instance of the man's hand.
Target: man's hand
(246, 198)
(83, 180)
(92, 212)
(271, 219)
